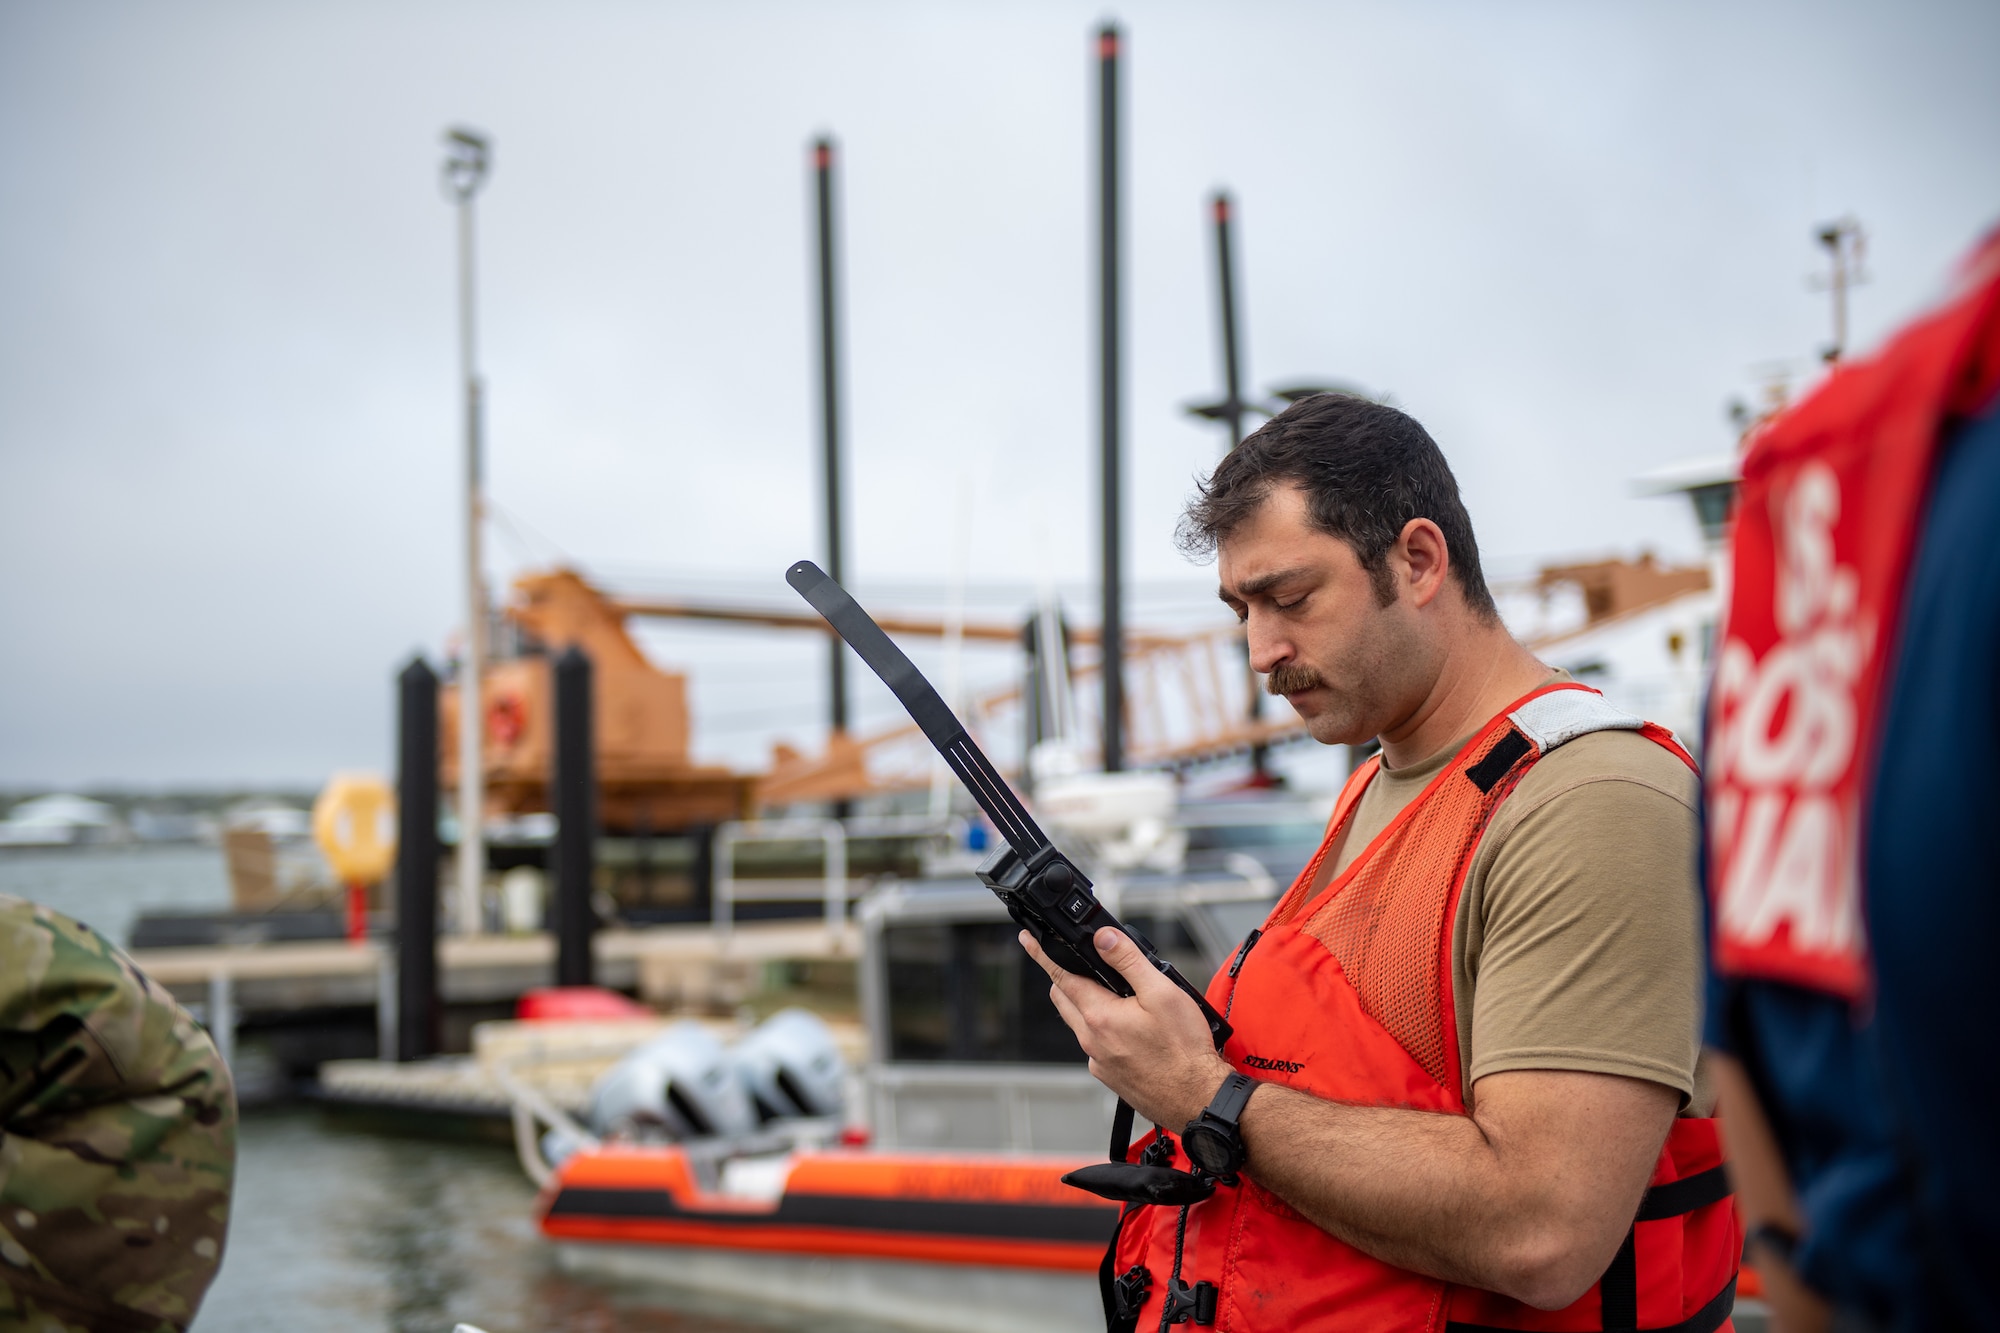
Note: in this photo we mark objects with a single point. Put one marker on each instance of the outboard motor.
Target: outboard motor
(681, 1084)
(791, 1067)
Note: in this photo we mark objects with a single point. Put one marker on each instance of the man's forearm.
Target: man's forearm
(1528, 1195)
(1439, 1194)
(1410, 1187)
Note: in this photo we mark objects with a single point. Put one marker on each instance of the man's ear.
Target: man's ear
(1425, 558)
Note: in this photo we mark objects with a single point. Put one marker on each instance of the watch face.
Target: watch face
(1208, 1149)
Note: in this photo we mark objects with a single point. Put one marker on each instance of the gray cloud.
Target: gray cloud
(1560, 235)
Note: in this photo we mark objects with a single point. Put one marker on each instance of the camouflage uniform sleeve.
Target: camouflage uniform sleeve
(117, 1137)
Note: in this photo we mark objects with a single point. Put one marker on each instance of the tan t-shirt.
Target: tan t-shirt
(1576, 944)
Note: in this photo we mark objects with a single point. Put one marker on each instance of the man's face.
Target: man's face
(1352, 667)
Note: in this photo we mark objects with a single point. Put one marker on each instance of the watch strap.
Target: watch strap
(1230, 1099)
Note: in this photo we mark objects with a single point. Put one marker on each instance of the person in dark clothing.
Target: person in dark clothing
(1861, 1126)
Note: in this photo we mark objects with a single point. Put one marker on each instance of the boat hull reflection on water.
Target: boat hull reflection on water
(955, 1241)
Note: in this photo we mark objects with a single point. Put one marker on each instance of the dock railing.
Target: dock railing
(220, 969)
(834, 886)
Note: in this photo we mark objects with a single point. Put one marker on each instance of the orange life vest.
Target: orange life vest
(1348, 997)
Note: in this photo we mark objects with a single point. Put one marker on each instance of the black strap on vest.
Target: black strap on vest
(1618, 1289)
(1685, 1195)
(1186, 1304)
(1121, 1132)
(1148, 1180)
(1707, 1319)
(1123, 1295)
(1506, 752)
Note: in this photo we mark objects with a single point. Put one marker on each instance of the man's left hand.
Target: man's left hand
(1152, 1047)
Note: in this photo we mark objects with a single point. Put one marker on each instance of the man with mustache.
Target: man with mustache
(1463, 1090)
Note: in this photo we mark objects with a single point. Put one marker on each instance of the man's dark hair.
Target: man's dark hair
(1366, 470)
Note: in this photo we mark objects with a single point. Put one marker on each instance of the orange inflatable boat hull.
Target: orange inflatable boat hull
(1001, 1211)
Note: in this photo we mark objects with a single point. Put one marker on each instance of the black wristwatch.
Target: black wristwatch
(1212, 1140)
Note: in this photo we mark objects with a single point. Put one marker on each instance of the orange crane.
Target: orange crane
(1182, 701)
(646, 777)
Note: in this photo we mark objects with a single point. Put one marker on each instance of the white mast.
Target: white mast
(465, 168)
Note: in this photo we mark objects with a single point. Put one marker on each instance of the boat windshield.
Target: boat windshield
(1234, 920)
(964, 992)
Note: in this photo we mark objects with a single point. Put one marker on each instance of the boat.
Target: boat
(936, 1201)
(914, 1239)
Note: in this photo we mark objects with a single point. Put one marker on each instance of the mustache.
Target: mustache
(1288, 679)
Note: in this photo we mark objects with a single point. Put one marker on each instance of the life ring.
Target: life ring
(506, 719)
(354, 822)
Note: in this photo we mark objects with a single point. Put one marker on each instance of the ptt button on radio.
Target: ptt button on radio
(1076, 907)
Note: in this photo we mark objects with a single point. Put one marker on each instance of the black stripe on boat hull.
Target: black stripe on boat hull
(929, 1217)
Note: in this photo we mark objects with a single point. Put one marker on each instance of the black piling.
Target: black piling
(417, 1028)
(574, 785)
(829, 407)
(702, 872)
(1109, 394)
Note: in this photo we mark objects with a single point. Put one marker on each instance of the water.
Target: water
(107, 888)
(334, 1229)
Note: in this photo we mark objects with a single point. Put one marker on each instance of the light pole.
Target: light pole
(465, 165)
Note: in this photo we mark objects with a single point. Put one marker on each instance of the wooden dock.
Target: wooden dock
(560, 1061)
(677, 966)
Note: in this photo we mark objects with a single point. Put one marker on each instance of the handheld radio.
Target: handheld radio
(1045, 892)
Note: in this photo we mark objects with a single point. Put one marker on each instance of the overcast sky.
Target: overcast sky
(1562, 235)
